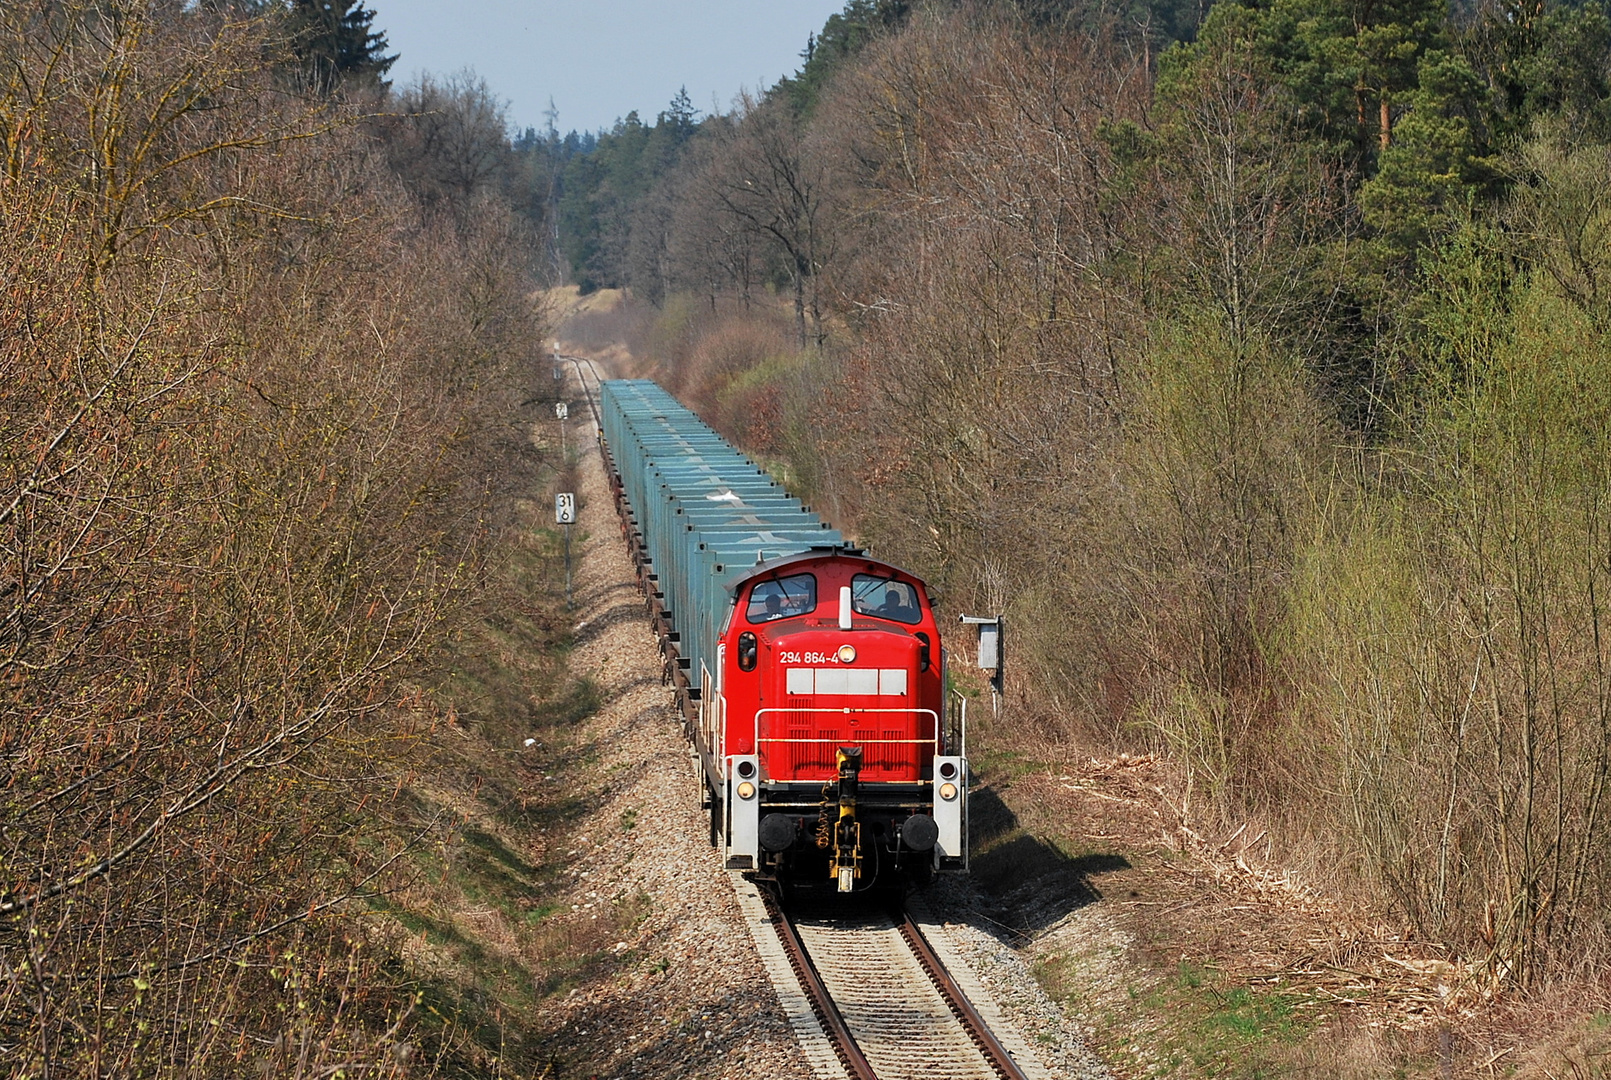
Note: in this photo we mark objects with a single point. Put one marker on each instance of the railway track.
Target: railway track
(588, 391)
(884, 1001)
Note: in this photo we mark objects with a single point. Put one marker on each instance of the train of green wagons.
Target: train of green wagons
(810, 675)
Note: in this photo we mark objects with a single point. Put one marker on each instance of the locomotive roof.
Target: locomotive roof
(850, 551)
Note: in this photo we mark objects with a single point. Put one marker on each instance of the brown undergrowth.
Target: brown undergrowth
(255, 415)
(1192, 951)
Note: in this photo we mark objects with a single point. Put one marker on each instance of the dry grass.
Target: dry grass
(601, 324)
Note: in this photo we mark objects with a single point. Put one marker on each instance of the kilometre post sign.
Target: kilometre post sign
(564, 508)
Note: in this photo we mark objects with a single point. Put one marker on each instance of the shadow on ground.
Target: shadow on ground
(611, 590)
(1023, 882)
(630, 613)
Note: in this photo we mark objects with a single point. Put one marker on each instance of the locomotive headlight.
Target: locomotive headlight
(847, 654)
(948, 791)
(746, 790)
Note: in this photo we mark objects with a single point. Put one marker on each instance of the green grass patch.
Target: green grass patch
(494, 850)
(472, 1032)
(1194, 1022)
(995, 761)
(1223, 1030)
(579, 701)
(434, 931)
(488, 873)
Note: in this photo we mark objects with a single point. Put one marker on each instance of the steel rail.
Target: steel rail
(997, 1054)
(816, 992)
(832, 1020)
(577, 362)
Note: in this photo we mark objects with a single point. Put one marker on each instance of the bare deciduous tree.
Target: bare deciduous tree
(771, 184)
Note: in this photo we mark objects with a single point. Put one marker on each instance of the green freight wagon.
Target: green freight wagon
(705, 511)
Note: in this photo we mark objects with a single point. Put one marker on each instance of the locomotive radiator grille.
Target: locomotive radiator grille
(800, 739)
(892, 753)
(823, 750)
(803, 751)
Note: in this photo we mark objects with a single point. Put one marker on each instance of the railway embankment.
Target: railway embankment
(684, 993)
(563, 916)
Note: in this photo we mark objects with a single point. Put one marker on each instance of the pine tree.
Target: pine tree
(843, 36)
(681, 118)
(1545, 62)
(337, 44)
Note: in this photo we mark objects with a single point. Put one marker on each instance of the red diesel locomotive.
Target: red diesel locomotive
(822, 741)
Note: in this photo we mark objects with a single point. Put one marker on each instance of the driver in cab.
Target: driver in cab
(895, 607)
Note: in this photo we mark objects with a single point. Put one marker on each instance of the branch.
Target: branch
(355, 892)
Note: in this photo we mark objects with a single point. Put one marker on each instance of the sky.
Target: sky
(600, 60)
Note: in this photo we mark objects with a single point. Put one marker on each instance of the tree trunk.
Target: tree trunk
(799, 307)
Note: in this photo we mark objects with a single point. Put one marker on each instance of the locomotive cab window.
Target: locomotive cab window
(885, 599)
(782, 598)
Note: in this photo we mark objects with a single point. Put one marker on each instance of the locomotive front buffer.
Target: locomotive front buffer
(848, 829)
(839, 831)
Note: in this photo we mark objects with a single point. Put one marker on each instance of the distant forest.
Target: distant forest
(1466, 79)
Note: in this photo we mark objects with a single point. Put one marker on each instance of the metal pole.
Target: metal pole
(567, 566)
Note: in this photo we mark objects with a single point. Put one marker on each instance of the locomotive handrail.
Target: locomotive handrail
(962, 725)
(840, 711)
(888, 742)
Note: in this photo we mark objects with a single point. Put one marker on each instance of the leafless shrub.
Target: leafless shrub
(449, 142)
(984, 387)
